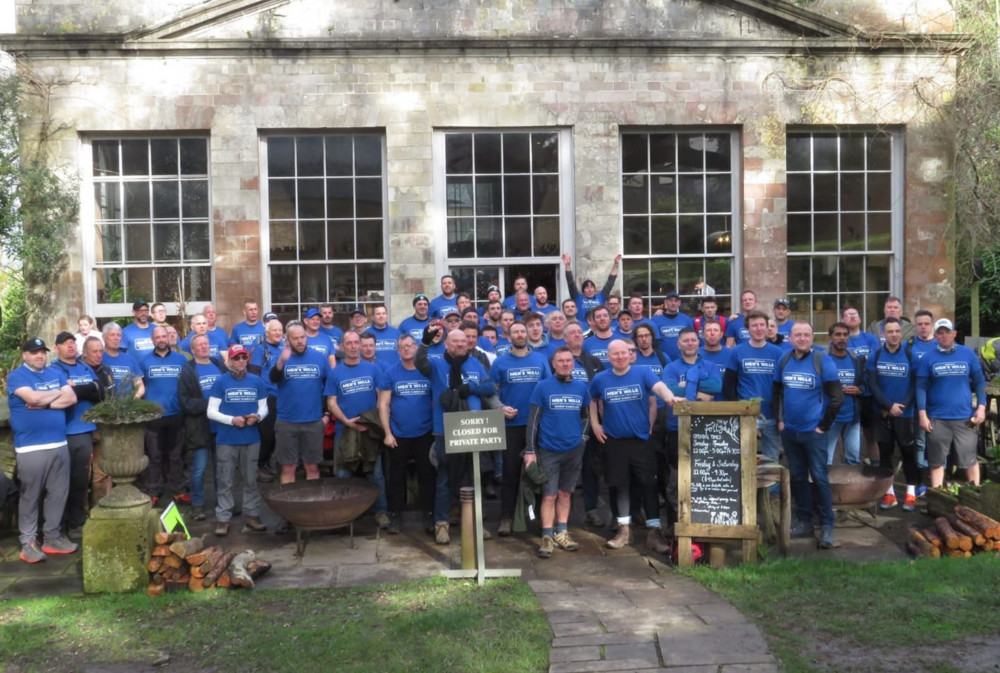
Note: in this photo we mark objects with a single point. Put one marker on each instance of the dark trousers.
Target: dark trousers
(266, 427)
(81, 448)
(417, 448)
(892, 431)
(164, 447)
(512, 460)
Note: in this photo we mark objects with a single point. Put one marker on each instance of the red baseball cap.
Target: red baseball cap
(237, 349)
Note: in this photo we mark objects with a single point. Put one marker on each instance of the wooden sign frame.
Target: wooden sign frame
(747, 531)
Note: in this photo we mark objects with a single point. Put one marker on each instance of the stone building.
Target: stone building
(299, 151)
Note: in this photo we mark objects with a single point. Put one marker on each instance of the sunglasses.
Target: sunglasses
(240, 357)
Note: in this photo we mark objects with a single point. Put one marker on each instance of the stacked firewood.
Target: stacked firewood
(178, 562)
(958, 535)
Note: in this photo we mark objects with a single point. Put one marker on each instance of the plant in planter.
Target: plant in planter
(121, 420)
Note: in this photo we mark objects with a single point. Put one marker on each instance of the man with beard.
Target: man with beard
(447, 301)
(161, 370)
(263, 357)
(327, 327)
(597, 343)
(137, 338)
(670, 323)
(416, 323)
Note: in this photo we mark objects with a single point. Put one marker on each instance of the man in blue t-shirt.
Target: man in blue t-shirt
(161, 371)
(847, 425)
(316, 339)
(217, 336)
(807, 397)
(250, 332)
(123, 366)
(263, 357)
(670, 323)
(587, 297)
(385, 336)
(415, 324)
(945, 377)
(515, 375)
(327, 327)
(137, 338)
(750, 374)
(300, 375)
(625, 395)
(237, 403)
(447, 301)
(38, 397)
(557, 425)
(738, 329)
(597, 343)
(405, 410)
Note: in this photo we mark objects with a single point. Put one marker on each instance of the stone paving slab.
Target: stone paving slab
(566, 654)
(586, 626)
(365, 575)
(606, 665)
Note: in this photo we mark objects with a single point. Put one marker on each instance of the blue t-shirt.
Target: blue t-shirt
(894, 376)
(598, 346)
(736, 329)
(473, 373)
(653, 362)
(440, 306)
(502, 347)
(247, 335)
(755, 373)
(265, 356)
(410, 404)
(561, 404)
(668, 329)
(626, 401)
(385, 344)
(238, 398)
(863, 344)
(921, 348)
(355, 387)
(691, 375)
(945, 382)
(803, 396)
(516, 378)
(137, 341)
(584, 303)
(79, 374)
(720, 360)
(219, 339)
(510, 302)
(319, 344)
(414, 327)
(35, 429)
(124, 367)
(784, 328)
(213, 348)
(335, 334)
(300, 391)
(849, 376)
(160, 375)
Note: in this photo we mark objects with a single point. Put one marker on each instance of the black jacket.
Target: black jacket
(194, 405)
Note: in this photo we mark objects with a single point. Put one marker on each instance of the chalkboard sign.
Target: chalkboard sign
(716, 482)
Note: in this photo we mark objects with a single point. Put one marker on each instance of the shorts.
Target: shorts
(870, 413)
(947, 433)
(562, 468)
(624, 456)
(295, 441)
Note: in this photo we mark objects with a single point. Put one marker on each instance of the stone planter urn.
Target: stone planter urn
(124, 458)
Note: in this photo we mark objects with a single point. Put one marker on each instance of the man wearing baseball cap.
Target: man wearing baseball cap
(945, 377)
(38, 396)
(415, 324)
(137, 338)
(782, 311)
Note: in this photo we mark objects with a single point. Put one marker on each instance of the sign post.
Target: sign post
(473, 432)
(716, 475)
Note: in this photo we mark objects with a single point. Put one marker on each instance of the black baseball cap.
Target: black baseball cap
(419, 297)
(781, 302)
(268, 317)
(33, 346)
(64, 336)
(139, 303)
(672, 295)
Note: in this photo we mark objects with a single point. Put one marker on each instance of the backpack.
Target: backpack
(988, 355)
(817, 362)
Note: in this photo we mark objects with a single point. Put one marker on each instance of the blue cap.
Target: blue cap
(312, 313)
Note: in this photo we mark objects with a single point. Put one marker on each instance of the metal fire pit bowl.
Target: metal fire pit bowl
(321, 504)
(858, 486)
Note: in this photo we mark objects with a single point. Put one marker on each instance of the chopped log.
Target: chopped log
(238, 569)
(220, 567)
(161, 550)
(157, 578)
(989, 527)
(198, 558)
(224, 581)
(155, 589)
(185, 548)
(174, 561)
(947, 533)
(154, 564)
(965, 529)
(168, 538)
(958, 553)
(258, 568)
(917, 552)
(933, 537)
(925, 548)
(196, 584)
(208, 563)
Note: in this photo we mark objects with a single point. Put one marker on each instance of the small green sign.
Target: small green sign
(170, 519)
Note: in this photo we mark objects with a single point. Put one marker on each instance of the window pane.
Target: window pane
(719, 194)
(106, 197)
(546, 235)
(339, 155)
(340, 197)
(663, 153)
(109, 243)
(460, 196)
(166, 243)
(546, 195)
(689, 273)
(852, 153)
(138, 284)
(692, 235)
(517, 195)
(799, 193)
(799, 274)
(489, 237)
(371, 282)
(198, 283)
(312, 283)
(692, 193)
(718, 153)
(461, 237)
(545, 152)
(663, 274)
(196, 242)
(370, 245)
(110, 284)
(826, 191)
(283, 242)
(165, 202)
(824, 274)
(137, 242)
(135, 157)
(663, 193)
(164, 156)
(489, 196)
(487, 153)
(852, 191)
(105, 158)
(879, 231)
(311, 198)
(311, 240)
(458, 153)
(824, 152)
(136, 200)
(635, 277)
(852, 231)
(368, 155)
(799, 233)
(635, 158)
(720, 235)
(369, 197)
(719, 273)
(518, 238)
(877, 273)
(879, 191)
(516, 153)
(797, 152)
(169, 285)
(281, 199)
(664, 235)
(309, 156)
(194, 198)
(880, 153)
(284, 283)
(280, 157)
(690, 157)
(340, 241)
(342, 283)
(852, 273)
(636, 235)
(634, 194)
(194, 156)
(826, 232)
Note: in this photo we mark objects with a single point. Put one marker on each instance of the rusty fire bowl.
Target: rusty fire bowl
(322, 504)
(858, 486)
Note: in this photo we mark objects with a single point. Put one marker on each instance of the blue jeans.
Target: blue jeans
(921, 443)
(770, 442)
(806, 456)
(442, 491)
(851, 432)
(199, 461)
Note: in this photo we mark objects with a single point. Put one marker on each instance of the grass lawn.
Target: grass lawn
(434, 625)
(839, 615)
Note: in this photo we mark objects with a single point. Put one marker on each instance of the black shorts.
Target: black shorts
(622, 456)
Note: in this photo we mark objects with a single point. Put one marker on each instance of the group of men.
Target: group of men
(586, 390)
